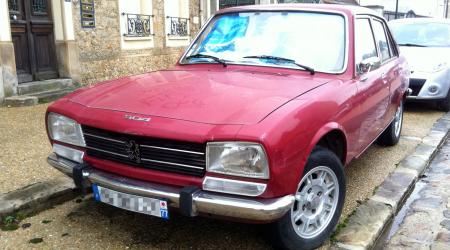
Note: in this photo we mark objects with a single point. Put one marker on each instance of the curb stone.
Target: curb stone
(37, 197)
(371, 218)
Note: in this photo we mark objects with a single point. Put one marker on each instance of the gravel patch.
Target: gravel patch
(24, 148)
(91, 225)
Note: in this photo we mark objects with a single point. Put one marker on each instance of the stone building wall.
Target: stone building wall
(100, 54)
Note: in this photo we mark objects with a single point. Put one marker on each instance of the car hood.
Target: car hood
(426, 59)
(205, 96)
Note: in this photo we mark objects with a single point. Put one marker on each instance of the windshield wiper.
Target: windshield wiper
(199, 55)
(311, 70)
(411, 45)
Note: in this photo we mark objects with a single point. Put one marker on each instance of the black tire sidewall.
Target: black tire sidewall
(396, 138)
(283, 231)
(388, 137)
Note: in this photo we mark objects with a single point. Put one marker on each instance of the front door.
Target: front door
(32, 36)
(373, 90)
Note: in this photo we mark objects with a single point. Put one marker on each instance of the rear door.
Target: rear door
(389, 67)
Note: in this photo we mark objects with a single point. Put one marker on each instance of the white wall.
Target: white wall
(5, 30)
(176, 8)
(63, 20)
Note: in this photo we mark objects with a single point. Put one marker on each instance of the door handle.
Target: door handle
(14, 17)
(384, 78)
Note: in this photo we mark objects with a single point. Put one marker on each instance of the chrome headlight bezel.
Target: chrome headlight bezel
(64, 129)
(218, 152)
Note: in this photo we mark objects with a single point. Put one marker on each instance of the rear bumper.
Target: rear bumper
(233, 207)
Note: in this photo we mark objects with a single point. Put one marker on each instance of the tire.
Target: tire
(311, 202)
(444, 105)
(391, 135)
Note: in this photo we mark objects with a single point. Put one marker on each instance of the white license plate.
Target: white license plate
(131, 202)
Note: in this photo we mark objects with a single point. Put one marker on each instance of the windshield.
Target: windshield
(316, 40)
(422, 34)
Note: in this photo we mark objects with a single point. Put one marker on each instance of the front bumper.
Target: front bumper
(422, 82)
(202, 202)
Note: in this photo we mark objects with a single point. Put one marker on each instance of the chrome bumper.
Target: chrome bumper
(235, 207)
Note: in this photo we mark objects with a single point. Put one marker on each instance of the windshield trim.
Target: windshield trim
(329, 12)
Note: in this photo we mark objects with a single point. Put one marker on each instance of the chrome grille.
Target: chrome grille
(150, 153)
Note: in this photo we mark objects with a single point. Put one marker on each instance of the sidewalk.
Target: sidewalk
(424, 221)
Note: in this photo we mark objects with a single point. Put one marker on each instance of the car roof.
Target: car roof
(350, 10)
(419, 20)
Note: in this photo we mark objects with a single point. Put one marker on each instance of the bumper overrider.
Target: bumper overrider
(191, 201)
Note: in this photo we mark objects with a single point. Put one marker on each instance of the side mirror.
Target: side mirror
(368, 64)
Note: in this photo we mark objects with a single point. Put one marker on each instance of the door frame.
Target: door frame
(33, 26)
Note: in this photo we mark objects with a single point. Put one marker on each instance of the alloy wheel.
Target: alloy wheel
(315, 203)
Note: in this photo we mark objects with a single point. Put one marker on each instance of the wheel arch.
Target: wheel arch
(331, 136)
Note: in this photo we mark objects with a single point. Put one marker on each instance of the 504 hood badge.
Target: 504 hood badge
(137, 118)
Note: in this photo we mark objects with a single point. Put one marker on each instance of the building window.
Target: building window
(177, 22)
(178, 26)
(13, 5)
(39, 7)
(136, 24)
(231, 3)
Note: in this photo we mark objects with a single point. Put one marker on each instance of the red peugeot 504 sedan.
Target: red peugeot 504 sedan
(255, 122)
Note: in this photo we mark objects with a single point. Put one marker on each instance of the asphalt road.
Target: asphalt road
(85, 224)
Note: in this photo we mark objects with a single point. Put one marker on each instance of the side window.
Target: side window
(364, 43)
(382, 41)
(392, 44)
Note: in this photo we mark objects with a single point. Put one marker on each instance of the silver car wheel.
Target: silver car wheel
(398, 120)
(315, 203)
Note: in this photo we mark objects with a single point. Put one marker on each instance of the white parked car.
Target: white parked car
(425, 42)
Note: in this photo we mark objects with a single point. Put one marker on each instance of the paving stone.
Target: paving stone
(394, 187)
(20, 101)
(365, 225)
(440, 246)
(406, 170)
(447, 214)
(433, 138)
(425, 204)
(415, 232)
(445, 224)
(445, 237)
(441, 125)
(425, 151)
(414, 162)
(37, 196)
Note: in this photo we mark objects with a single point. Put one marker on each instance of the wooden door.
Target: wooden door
(32, 36)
